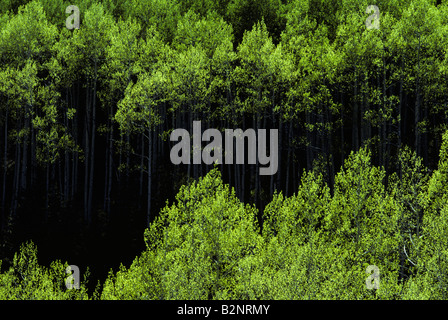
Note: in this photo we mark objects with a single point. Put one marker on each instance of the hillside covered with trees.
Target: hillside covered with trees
(86, 177)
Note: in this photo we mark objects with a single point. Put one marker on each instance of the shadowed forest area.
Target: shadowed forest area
(86, 177)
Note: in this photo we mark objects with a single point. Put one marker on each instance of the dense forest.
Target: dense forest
(86, 115)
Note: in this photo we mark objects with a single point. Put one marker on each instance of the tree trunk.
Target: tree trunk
(148, 211)
(290, 159)
(400, 110)
(142, 156)
(280, 144)
(106, 166)
(66, 161)
(384, 142)
(254, 175)
(92, 149)
(363, 110)
(33, 174)
(417, 105)
(16, 180)
(243, 176)
(87, 158)
(342, 127)
(61, 186)
(355, 124)
(5, 170)
(23, 178)
(309, 151)
(75, 156)
(47, 191)
(110, 164)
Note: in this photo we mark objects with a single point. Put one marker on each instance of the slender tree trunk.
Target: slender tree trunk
(309, 151)
(379, 145)
(195, 166)
(384, 142)
(16, 179)
(23, 179)
(363, 110)
(254, 174)
(66, 161)
(29, 105)
(74, 174)
(257, 173)
(142, 155)
(417, 105)
(148, 211)
(400, 106)
(355, 124)
(92, 149)
(106, 166)
(243, 176)
(5, 170)
(280, 144)
(328, 147)
(225, 124)
(367, 109)
(87, 158)
(61, 186)
(425, 137)
(33, 166)
(47, 192)
(75, 156)
(294, 175)
(154, 148)
(128, 159)
(110, 164)
(120, 162)
(342, 127)
(290, 159)
(176, 172)
(66, 178)
(324, 135)
(52, 181)
(190, 125)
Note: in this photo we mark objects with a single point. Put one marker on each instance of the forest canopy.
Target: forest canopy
(362, 176)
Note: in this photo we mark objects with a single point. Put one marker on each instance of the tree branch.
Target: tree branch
(404, 248)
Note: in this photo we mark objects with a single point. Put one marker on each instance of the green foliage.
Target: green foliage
(244, 14)
(27, 35)
(27, 280)
(162, 14)
(313, 245)
(11, 5)
(300, 217)
(208, 32)
(196, 247)
(308, 67)
(254, 75)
